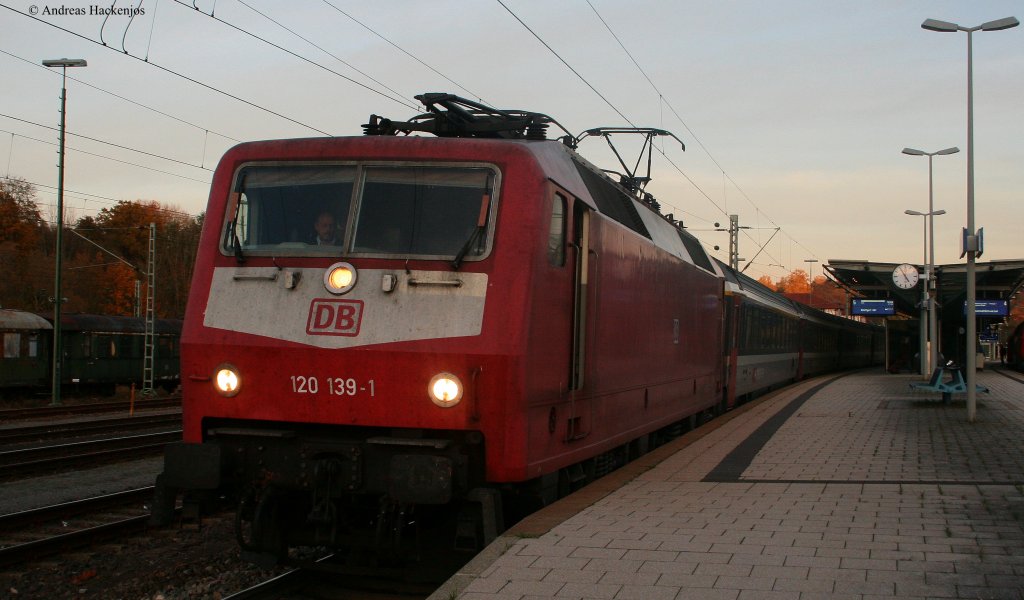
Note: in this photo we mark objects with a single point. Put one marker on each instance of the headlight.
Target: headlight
(340, 278)
(445, 390)
(227, 381)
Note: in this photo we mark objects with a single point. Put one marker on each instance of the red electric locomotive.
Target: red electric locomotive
(1014, 348)
(383, 324)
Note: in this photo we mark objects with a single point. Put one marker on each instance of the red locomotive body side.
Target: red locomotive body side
(652, 350)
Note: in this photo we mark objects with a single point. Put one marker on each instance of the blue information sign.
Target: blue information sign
(989, 308)
(872, 308)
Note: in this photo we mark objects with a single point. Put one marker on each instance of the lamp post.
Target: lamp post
(63, 63)
(810, 279)
(972, 239)
(928, 359)
(929, 273)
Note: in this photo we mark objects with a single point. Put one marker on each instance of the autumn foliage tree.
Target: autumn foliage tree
(103, 256)
(821, 293)
(24, 248)
(796, 282)
(123, 230)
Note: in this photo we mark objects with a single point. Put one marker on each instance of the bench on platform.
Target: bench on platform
(955, 384)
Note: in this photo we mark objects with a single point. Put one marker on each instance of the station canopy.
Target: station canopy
(996, 280)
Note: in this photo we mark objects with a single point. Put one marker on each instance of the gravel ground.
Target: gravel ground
(167, 564)
(164, 564)
(45, 490)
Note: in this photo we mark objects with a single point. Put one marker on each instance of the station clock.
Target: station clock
(905, 276)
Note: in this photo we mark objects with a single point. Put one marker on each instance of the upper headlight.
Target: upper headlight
(340, 278)
(227, 381)
(445, 390)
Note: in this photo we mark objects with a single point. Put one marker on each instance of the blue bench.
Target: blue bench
(955, 384)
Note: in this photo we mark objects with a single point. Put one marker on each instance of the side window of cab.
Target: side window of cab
(556, 230)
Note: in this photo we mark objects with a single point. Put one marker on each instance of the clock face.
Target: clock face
(905, 276)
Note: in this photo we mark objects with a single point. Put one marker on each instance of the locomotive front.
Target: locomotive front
(335, 348)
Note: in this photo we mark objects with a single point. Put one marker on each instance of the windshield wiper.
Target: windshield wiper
(481, 225)
(239, 257)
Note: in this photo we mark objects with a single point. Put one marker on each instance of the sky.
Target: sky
(793, 113)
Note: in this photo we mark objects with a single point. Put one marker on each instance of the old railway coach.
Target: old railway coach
(391, 332)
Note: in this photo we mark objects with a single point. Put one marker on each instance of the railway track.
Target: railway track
(39, 433)
(43, 412)
(325, 578)
(32, 534)
(65, 456)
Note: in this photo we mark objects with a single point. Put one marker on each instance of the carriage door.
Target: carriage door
(581, 246)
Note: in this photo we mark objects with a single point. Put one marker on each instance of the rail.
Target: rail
(64, 513)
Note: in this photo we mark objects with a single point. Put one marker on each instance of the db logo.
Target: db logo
(334, 317)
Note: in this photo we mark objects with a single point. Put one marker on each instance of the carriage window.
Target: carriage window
(556, 232)
(12, 345)
(33, 346)
(423, 211)
(106, 346)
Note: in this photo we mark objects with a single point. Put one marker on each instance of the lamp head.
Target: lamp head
(913, 213)
(936, 25)
(913, 152)
(999, 24)
(952, 150)
(65, 62)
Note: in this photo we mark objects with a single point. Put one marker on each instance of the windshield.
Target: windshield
(405, 211)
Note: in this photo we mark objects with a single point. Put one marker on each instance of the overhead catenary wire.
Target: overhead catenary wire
(613, 107)
(406, 52)
(317, 46)
(120, 97)
(564, 62)
(300, 57)
(111, 201)
(170, 71)
(97, 140)
(110, 158)
(696, 138)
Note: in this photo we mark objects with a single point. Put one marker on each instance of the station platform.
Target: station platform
(840, 487)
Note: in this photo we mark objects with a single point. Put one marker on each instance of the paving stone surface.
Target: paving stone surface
(867, 490)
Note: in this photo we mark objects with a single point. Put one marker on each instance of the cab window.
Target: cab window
(407, 211)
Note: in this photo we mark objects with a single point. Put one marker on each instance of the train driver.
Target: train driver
(326, 230)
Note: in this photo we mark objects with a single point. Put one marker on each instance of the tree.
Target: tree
(94, 281)
(796, 282)
(827, 294)
(766, 281)
(124, 231)
(23, 246)
(20, 221)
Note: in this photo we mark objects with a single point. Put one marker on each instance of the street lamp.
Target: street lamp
(928, 359)
(63, 63)
(810, 280)
(929, 273)
(972, 238)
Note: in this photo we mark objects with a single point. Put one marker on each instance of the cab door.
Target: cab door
(580, 419)
(581, 277)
